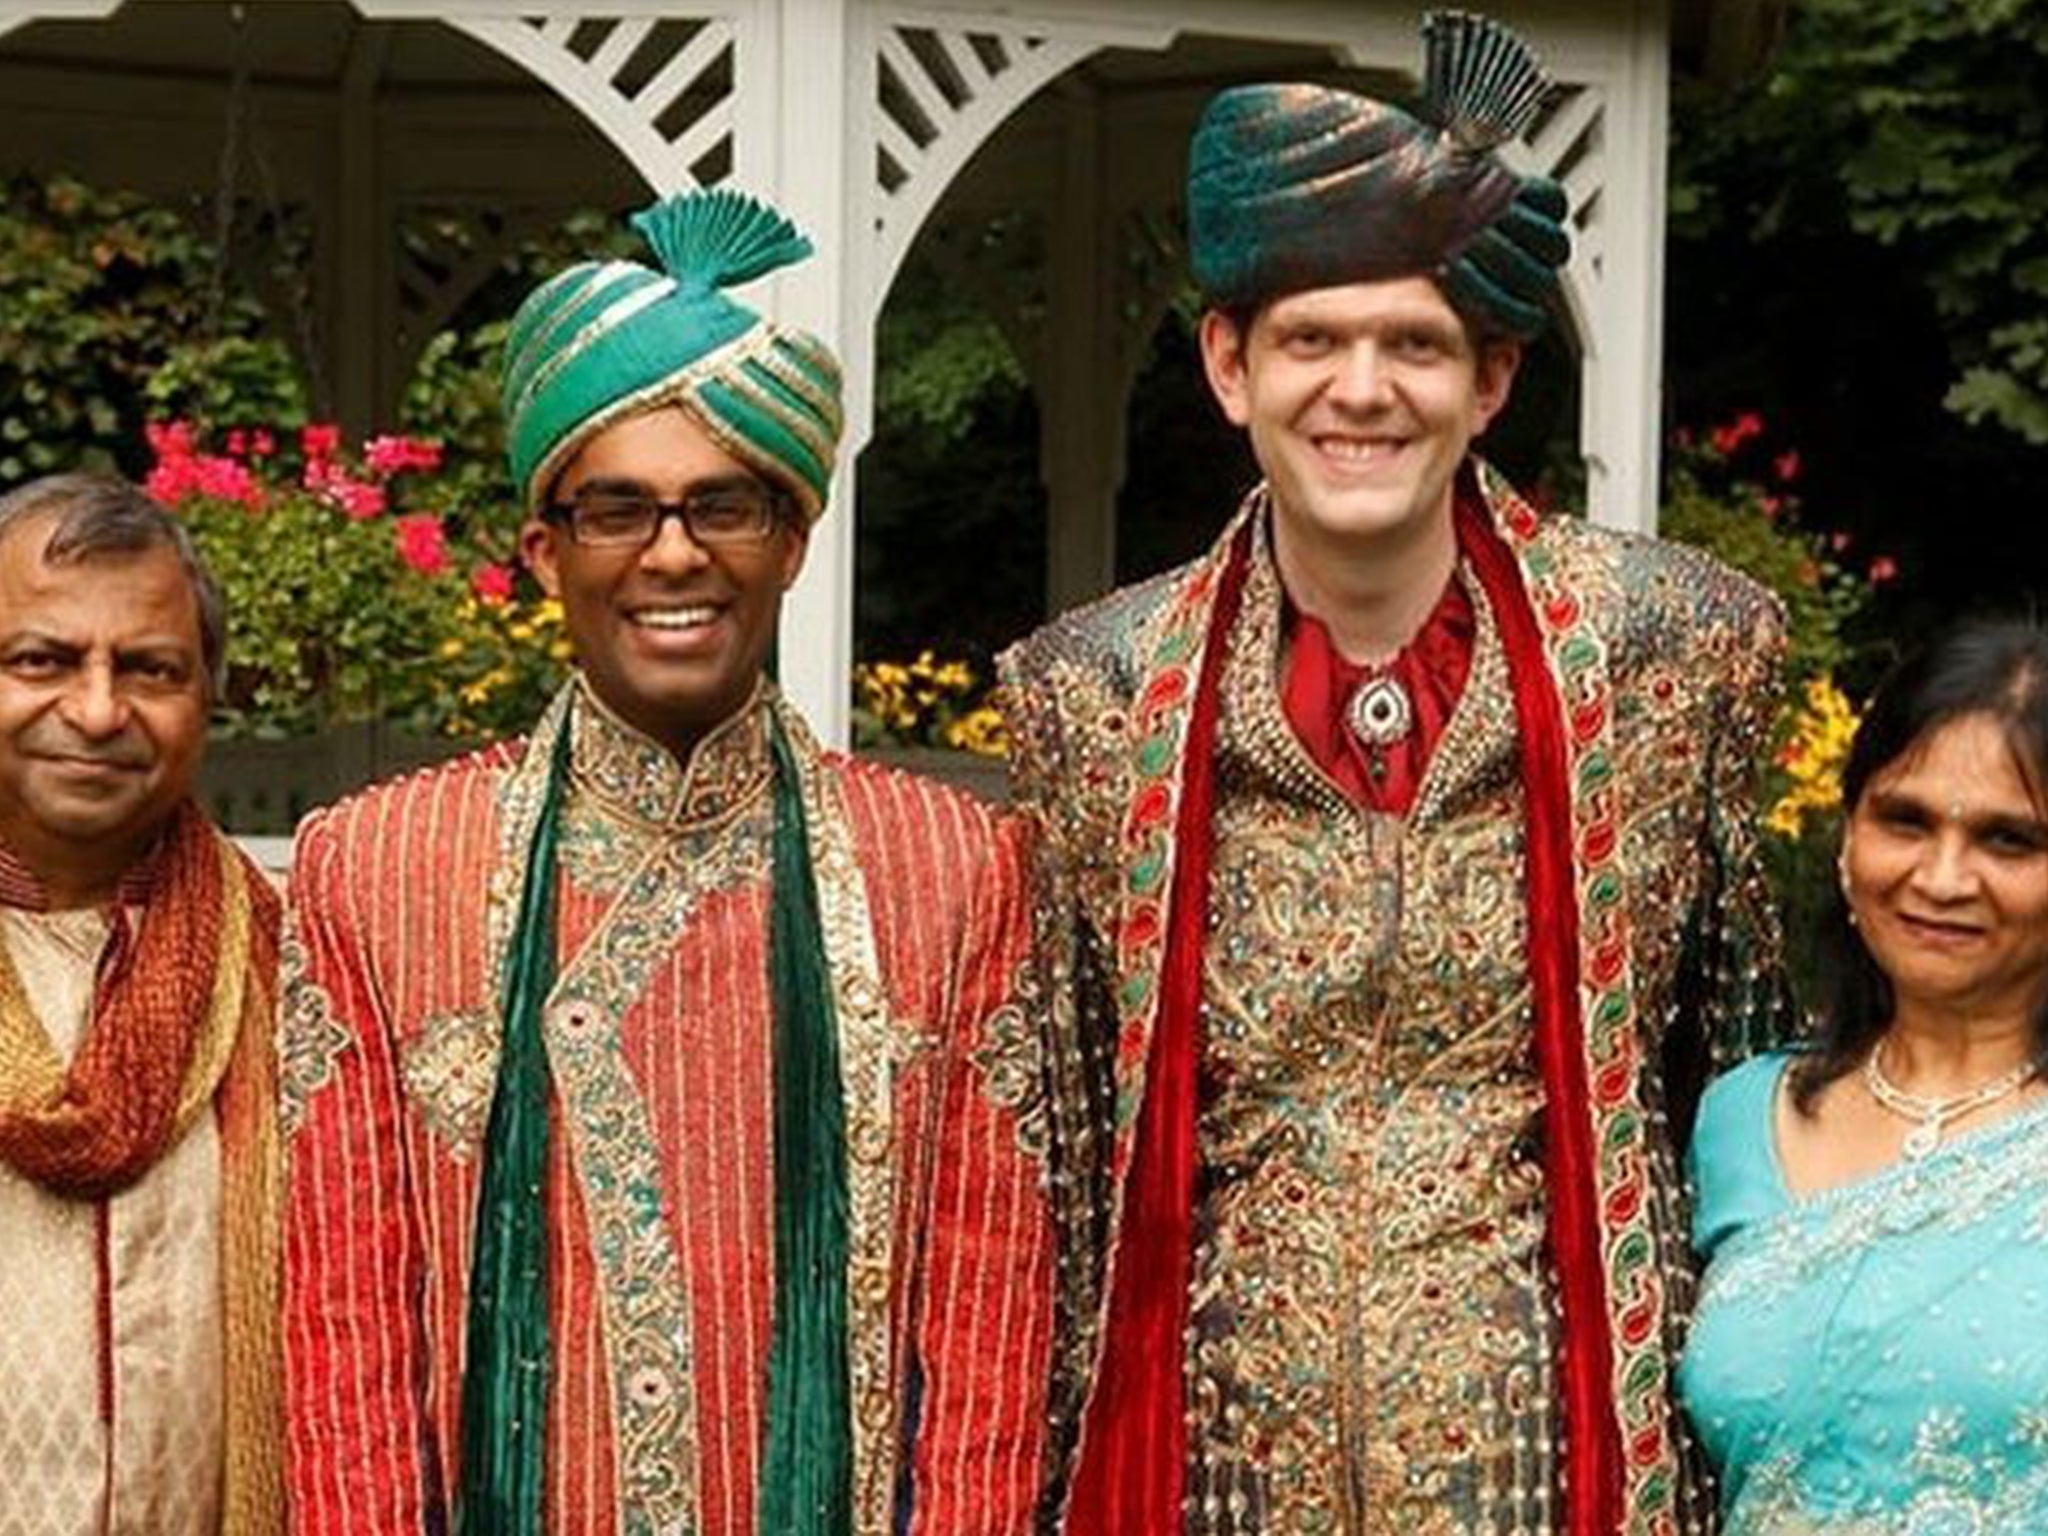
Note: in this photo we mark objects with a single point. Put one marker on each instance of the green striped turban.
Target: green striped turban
(609, 339)
(1293, 187)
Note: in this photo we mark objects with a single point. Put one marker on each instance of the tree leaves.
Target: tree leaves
(1924, 127)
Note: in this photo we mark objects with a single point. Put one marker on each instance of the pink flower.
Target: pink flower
(492, 583)
(169, 439)
(261, 444)
(1786, 465)
(1772, 506)
(227, 480)
(320, 442)
(1883, 569)
(422, 542)
(238, 442)
(1838, 541)
(359, 499)
(397, 455)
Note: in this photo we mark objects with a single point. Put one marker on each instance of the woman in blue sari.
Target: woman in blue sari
(1870, 1351)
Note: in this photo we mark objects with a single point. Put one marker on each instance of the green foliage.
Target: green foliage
(1925, 126)
(948, 361)
(111, 319)
(453, 398)
(1728, 521)
(328, 625)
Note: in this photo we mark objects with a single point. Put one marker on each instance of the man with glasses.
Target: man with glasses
(664, 1124)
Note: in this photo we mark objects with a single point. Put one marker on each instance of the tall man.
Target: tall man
(1395, 860)
(666, 1128)
(138, 1134)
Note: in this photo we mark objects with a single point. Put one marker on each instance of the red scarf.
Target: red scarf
(1130, 1476)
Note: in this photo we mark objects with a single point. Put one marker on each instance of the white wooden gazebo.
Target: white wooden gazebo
(871, 122)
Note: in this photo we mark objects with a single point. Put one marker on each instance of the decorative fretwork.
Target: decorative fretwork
(939, 92)
(661, 89)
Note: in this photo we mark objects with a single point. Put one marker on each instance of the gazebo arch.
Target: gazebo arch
(857, 115)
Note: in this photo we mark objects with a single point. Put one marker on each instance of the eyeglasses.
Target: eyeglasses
(725, 517)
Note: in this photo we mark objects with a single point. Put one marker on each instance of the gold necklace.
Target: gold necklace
(1930, 1115)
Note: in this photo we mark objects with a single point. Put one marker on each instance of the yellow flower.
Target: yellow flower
(1812, 759)
(980, 731)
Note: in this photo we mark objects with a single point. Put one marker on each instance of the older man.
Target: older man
(666, 1151)
(137, 963)
(1395, 859)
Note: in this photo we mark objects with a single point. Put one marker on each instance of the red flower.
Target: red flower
(1729, 438)
(1883, 569)
(181, 471)
(261, 444)
(422, 542)
(397, 455)
(492, 583)
(1838, 541)
(320, 442)
(1786, 465)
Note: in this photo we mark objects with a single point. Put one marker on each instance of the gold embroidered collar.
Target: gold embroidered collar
(636, 779)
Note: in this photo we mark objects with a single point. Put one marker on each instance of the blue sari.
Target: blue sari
(1871, 1360)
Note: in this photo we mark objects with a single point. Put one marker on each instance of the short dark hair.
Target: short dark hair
(94, 514)
(1992, 667)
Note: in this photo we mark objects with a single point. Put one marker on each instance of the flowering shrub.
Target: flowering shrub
(1734, 492)
(353, 593)
(1731, 491)
(925, 703)
(1809, 765)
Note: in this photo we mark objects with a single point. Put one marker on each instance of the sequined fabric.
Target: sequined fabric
(1868, 1361)
(1373, 1335)
(660, 1188)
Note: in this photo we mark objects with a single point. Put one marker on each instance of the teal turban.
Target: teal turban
(1305, 186)
(605, 340)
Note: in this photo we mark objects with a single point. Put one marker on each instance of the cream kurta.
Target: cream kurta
(158, 1245)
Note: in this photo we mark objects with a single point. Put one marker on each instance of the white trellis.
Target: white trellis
(858, 116)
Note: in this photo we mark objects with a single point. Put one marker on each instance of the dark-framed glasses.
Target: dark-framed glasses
(718, 517)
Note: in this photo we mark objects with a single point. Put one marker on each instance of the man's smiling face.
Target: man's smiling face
(672, 635)
(103, 700)
(1361, 401)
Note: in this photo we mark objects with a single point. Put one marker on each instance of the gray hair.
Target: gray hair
(104, 515)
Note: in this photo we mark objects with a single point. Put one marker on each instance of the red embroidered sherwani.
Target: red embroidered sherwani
(660, 1188)
(1372, 1337)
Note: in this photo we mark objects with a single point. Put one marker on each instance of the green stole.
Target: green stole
(806, 1486)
